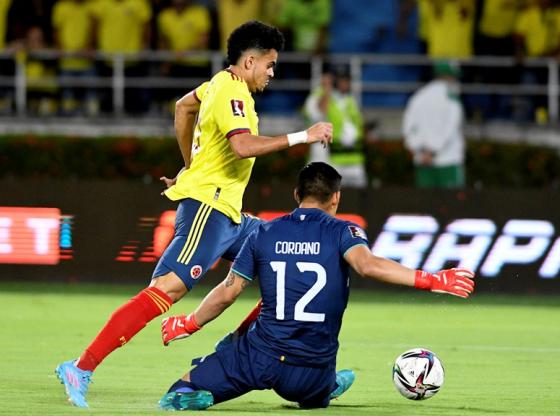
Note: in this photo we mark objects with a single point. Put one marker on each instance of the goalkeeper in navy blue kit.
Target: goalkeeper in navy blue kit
(289, 341)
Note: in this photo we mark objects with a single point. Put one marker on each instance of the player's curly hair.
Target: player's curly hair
(253, 35)
(319, 181)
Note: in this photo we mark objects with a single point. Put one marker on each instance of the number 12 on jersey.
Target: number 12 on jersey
(299, 310)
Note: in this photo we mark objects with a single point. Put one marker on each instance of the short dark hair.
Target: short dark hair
(253, 35)
(319, 181)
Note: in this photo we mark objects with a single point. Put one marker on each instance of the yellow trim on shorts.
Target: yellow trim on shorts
(195, 233)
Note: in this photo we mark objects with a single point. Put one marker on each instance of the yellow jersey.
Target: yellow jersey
(121, 24)
(4, 7)
(449, 28)
(498, 17)
(73, 22)
(183, 30)
(216, 176)
(233, 13)
(540, 29)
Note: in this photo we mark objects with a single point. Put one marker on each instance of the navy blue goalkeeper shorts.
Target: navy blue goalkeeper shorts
(202, 236)
(240, 368)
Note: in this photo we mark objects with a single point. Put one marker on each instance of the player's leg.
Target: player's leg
(249, 223)
(313, 387)
(171, 280)
(223, 375)
(123, 324)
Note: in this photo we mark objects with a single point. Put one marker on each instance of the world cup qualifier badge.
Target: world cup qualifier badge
(196, 271)
(237, 108)
(357, 232)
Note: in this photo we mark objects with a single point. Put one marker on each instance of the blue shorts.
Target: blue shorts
(240, 368)
(202, 236)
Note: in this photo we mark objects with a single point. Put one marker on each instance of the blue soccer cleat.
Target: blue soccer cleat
(76, 382)
(344, 380)
(193, 400)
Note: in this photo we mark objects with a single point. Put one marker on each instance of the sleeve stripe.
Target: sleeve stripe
(242, 275)
(355, 245)
(196, 96)
(237, 131)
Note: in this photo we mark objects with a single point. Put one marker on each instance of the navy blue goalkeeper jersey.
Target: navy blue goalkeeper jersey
(304, 283)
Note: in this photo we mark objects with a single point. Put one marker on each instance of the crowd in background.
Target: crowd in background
(456, 29)
(445, 28)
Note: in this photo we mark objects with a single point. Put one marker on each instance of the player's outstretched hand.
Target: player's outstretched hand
(457, 282)
(178, 327)
(320, 132)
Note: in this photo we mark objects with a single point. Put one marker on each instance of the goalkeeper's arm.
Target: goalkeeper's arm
(456, 282)
(217, 301)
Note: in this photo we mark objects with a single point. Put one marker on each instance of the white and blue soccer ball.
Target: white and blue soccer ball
(418, 374)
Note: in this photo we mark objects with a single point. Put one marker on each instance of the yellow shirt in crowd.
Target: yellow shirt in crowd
(73, 22)
(216, 176)
(540, 29)
(498, 17)
(233, 13)
(121, 24)
(4, 7)
(183, 31)
(449, 28)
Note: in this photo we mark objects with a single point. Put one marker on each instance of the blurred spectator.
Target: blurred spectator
(432, 127)
(537, 30)
(308, 21)
(537, 34)
(6, 68)
(333, 102)
(123, 26)
(233, 13)
(185, 27)
(41, 76)
(72, 23)
(448, 27)
(271, 10)
(27, 13)
(496, 27)
(422, 28)
(4, 7)
(495, 37)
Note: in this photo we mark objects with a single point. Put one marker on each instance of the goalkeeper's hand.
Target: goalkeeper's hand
(178, 327)
(457, 282)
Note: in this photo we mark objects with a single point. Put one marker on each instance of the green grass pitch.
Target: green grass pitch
(501, 353)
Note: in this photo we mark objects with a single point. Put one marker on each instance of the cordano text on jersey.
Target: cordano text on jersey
(303, 277)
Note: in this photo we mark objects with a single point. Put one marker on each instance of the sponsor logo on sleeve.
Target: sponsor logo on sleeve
(237, 108)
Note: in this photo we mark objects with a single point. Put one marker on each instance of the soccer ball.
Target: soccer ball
(418, 374)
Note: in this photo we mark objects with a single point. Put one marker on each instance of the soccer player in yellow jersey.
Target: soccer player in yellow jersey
(217, 132)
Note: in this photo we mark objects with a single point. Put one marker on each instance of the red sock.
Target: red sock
(125, 322)
(244, 326)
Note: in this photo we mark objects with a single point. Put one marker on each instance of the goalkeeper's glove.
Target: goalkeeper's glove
(457, 282)
(178, 327)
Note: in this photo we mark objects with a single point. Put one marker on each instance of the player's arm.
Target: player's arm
(186, 110)
(456, 282)
(246, 145)
(218, 300)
